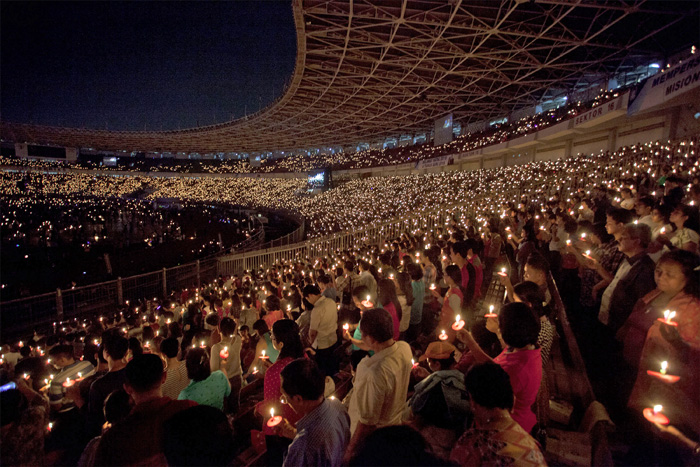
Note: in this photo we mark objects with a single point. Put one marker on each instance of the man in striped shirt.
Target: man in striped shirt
(62, 358)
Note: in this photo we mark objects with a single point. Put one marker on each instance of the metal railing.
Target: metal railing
(26, 314)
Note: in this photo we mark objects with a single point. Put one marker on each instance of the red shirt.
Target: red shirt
(525, 370)
(272, 391)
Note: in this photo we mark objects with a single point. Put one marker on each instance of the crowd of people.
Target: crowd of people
(439, 375)
(341, 160)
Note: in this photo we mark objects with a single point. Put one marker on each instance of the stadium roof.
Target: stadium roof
(366, 70)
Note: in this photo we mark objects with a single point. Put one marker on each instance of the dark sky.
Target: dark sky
(135, 65)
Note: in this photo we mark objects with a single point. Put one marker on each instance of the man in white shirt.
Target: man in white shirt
(323, 329)
(381, 381)
(366, 278)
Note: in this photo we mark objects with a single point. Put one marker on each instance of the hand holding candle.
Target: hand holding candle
(458, 324)
(662, 374)
(668, 318)
(274, 419)
(654, 415)
(491, 314)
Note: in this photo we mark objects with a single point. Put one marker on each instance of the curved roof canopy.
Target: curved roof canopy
(366, 70)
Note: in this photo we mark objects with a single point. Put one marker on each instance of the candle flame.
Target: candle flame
(457, 320)
(664, 367)
(272, 413)
(658, 408)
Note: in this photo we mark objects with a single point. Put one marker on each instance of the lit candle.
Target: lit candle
(654, 415)
(255, 369)
(491, 314)
(662, 374)
(202, 345)
(367, 303)
(433, 286)
(274, 419)
(224, 353)
(443, 335)
(583, 237)
(503, 272)
(346, 327)
(68, 383)
(668, 318)
(413, 363)
(50, 426)
(263, 356)
(458, 324)
(663, 230)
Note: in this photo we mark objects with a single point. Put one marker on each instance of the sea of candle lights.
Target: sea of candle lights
(361, 202)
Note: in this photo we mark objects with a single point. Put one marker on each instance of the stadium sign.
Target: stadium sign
(665, 86)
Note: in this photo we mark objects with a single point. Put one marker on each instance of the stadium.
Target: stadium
(474, 223)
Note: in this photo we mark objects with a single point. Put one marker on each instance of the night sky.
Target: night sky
(142, 65)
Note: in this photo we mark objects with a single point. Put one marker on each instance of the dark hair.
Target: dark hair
(647, 201)
(530, 293)
(519, 325)
(117, 406)
(324, 279)
(135, 346)
(377, 324)
(349, 265)
(212, 319)
(260, 326)
(310, 290)
(286, 331)
(169, 347)
(598, 229)
(414, 271)
(619, 215)
(689, 263)
(147, 333)
(116, 347)
(537, 261)
(144, 372)
(387, 294)
(227, 326)
(62, 350)
(489, 386)
(360, 292)
(302, 377)
(664, 211)
(394, 445)
(197, 364)
(453, 272)
(199, 436)
(272, 303)
(460, 248)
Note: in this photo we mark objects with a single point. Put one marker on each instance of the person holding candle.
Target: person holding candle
(381, 381)
(323, 329)
(685, 226)
(264, 343)
(62, 358)
(232, 343)
(439, 406)
(676, 289)
(138, 438)
(115, 349)
(24, 414)
(495, 438)
(390, 302)
(633, 279)
(521, 358)
(418, 291)
(678, 345)
(176, 379)
(206, 387)
(323, 429)
(273, 310)
(285, 338)
(452, 301)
